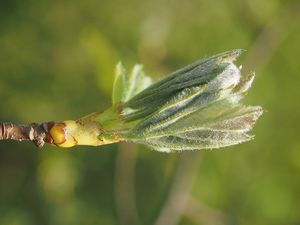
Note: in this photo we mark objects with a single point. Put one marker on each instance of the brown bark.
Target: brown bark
(36, 133)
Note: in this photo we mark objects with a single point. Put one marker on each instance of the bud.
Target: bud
(62, 134)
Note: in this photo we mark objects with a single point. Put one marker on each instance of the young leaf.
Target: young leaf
(126, 86)
(196, 107)
(120, 84)
(137, 81)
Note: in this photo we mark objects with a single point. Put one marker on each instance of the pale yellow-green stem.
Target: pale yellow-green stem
(70, 133)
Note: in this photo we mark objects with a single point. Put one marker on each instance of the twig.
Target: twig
(36, 133)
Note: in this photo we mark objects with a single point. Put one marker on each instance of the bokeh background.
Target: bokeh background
(56, 62)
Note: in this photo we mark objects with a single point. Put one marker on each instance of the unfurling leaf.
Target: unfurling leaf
(197, 107)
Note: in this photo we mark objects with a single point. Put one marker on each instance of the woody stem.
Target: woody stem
(36, 133)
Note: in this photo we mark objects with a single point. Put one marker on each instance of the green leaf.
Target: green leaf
(196, 107)
(137, 82)
(120, 84)
(126, 86)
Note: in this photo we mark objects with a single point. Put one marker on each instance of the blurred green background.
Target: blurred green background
(56, 62)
